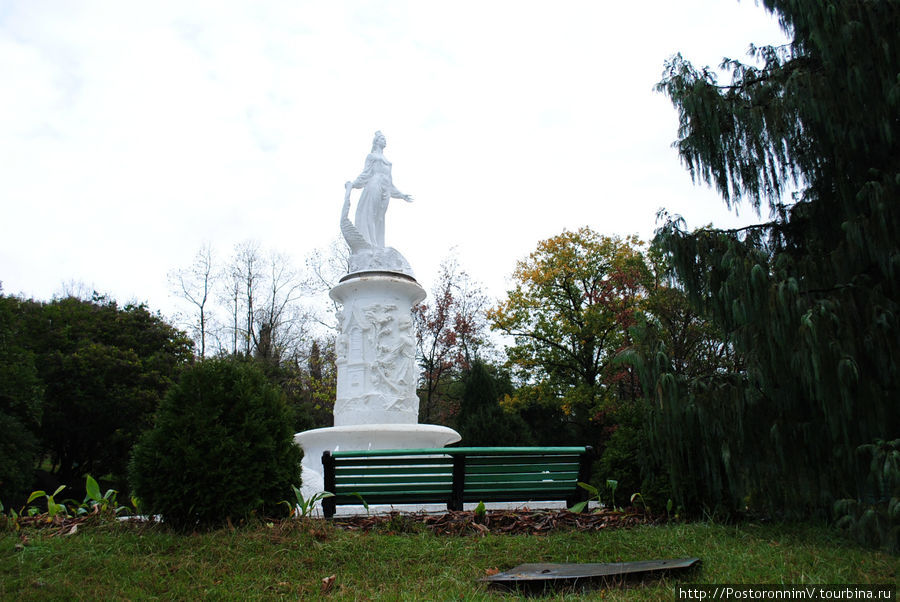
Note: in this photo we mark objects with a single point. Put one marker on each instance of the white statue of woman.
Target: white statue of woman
(378, 190)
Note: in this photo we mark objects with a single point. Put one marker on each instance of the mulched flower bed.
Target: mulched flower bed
(518, 522)
(499, 521)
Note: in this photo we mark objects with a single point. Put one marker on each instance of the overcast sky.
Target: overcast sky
(131, 132)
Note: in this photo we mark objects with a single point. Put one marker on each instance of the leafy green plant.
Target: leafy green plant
(673, 511)
(638, 497)
(102, 504)
(362, 501)
(400, 522)
(7, 520)
(594, 495)
(874, 519)
(302, 507)
(612, 485)
(480, 513)
(54, 508)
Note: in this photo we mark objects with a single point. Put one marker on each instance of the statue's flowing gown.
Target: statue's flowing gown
(378, 188)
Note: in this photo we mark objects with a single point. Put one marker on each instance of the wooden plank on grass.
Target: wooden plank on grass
(568, 572)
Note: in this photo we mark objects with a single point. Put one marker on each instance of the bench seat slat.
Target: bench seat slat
(382, 480)
(569, 478)
(399, 487)
(513, 496)
(530, 487)
(520, 460)
(394, 497)
(375, 497)
(413, 461)
(396, 490)
(520, 485)
(522, 468)
(344, 473)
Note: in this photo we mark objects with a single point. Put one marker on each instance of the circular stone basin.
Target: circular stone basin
(364, 437)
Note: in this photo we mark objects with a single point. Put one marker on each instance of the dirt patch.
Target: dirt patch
(498, 521)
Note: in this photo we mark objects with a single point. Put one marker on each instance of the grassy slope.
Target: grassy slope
(290, 560)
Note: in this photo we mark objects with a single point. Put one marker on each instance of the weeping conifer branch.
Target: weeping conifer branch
(809, 300)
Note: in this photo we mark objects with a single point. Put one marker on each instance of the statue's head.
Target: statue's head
(379, 142)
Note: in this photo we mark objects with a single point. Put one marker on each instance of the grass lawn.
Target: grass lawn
(403, 561)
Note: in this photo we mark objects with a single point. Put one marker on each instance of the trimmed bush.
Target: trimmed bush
(222, 448)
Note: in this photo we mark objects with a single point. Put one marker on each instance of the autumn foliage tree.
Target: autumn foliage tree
(574, 300)
(451, 331)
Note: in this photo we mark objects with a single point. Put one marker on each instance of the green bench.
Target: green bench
(456, 475)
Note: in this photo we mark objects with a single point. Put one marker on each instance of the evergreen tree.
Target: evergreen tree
(681, 352)
(222, 448)
(809, 299)
(310, 389)
(482, 420)
(104, 369)
(21, 399)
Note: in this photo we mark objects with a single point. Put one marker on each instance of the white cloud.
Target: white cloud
(132, 132)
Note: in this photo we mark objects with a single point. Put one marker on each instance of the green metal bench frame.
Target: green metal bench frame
(456, 475)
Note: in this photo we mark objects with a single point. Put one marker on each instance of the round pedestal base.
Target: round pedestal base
(367, 436)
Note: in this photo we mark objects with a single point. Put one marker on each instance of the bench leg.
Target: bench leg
(328, 504)
(328, 507)
(459, 482)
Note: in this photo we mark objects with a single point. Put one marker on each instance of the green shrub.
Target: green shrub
(620, 461)
(18, 449)
(222, 448)
(627, 459)
(21, 401)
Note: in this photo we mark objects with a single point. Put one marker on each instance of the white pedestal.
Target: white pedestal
(376, 349)
(376, 406)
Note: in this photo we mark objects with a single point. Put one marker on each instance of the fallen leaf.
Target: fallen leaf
(328, 583)
(71, 531)
(491, 572)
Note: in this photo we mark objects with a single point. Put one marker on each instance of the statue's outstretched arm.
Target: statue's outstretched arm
(396, 194)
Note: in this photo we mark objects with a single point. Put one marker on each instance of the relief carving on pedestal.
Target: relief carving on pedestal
(376, 353)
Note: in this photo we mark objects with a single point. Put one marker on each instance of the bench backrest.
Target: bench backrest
(455, 475)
